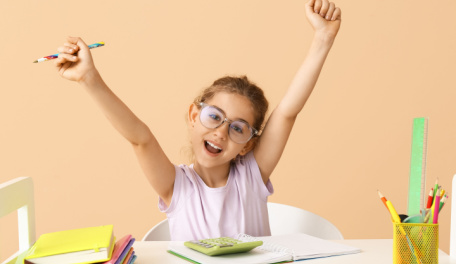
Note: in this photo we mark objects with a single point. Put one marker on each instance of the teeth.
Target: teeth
(212, 145)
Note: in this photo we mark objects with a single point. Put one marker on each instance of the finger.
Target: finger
(60, 61)
(78, 42)
(310, 7)
(330, 12)
(310, 3)
(70, 49)
(317, 6)
(64, 67)
(72, 46)
(64, 57)
(337, 15)
(324, 8)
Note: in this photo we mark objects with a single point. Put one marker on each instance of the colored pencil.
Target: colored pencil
(442, 202)
(442, 193)
(430, 198)
(436, 208)
(55, 56)
(436, 186)
(382, 198)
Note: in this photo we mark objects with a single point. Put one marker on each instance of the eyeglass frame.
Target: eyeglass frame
(253, 131)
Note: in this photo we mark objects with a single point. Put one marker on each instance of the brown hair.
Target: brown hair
(242, 86)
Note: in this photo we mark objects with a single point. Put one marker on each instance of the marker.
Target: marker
(55, 56)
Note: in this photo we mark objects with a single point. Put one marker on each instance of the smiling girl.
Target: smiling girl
(224, 192)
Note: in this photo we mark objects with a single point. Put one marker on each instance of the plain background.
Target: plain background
(392, 61)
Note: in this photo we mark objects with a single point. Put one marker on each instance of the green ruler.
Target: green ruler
(417, 180)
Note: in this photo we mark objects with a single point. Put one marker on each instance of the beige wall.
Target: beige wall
(392, 61)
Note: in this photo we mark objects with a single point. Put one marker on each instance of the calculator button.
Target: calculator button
(226, 245)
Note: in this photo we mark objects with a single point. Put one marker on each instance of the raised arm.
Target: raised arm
(325, 18)
(75, 63)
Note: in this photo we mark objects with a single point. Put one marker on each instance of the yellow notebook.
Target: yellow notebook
(84, 245)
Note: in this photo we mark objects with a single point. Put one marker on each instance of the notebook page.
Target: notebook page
(304, 246)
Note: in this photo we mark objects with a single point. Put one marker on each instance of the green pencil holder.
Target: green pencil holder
(415, 243)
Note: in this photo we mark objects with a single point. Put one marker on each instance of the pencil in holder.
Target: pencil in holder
(415, 243)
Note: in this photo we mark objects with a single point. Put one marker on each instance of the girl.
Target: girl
(224, 192)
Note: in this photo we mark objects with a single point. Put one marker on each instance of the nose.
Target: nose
(222, 130)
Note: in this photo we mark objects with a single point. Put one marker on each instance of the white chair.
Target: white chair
(286, 219)
(17, 194)
(283, 219)
(160, 232)
(453, 221)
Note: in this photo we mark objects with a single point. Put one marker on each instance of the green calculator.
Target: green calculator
(222, 246)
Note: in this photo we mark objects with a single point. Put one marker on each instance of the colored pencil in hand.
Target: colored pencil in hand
(55, 56)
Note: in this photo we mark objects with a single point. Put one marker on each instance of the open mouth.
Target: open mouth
(212, 148)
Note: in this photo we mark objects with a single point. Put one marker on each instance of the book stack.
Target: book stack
(123, 252)
(82, 246)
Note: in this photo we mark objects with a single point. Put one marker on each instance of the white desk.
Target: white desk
(373, 251)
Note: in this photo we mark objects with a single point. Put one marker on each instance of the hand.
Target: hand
(324, 17)
(75, 61)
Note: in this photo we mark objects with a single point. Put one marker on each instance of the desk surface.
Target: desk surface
(373, 251)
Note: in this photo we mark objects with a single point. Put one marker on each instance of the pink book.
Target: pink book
(118, 249)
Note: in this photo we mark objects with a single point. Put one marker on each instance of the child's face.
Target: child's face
(214, 146)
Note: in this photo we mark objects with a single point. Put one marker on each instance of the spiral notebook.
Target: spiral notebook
(282, 248)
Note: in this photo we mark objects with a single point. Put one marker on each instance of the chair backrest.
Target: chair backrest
(160, 232)
(286, 219)
(453, 220)
(283, 219)
(17, 195)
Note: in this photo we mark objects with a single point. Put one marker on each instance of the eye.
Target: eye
(238, 128)
(215, 116)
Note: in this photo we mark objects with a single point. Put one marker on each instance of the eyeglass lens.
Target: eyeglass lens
(239, 131)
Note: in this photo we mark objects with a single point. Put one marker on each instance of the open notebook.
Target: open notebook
(290, 247)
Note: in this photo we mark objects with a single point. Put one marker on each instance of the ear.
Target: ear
(192, 114)
(248, 146)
